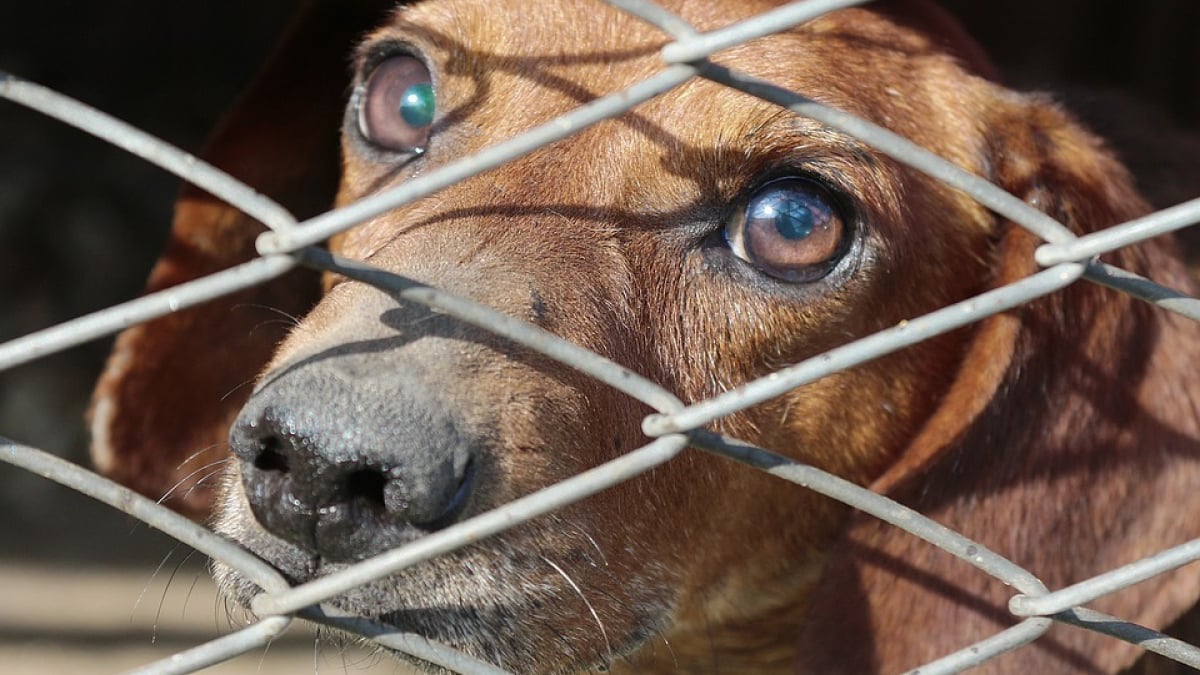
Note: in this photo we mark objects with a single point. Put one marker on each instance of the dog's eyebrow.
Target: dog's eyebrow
(787, 138)
(371, 51)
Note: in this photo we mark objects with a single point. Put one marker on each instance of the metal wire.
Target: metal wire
(1104, 584)
(324, 226)
(408, 643)
(219, 650)
(688, 49)
(1143, 289)
(1105, 241)
(1067, 257)
(881, 343)
(117, 318)
(186, 166)
(155, 515)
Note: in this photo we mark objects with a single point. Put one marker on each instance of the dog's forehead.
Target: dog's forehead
(503, 68)
(487, 54)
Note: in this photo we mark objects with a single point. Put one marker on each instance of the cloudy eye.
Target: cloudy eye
(396, 105)
(790, 229)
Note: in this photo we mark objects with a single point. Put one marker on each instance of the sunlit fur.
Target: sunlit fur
(1062, 434)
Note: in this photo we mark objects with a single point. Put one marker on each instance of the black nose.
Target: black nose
(346, 464)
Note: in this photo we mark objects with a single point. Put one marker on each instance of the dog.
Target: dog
(703, 240)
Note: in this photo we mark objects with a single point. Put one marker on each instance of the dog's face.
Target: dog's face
(703, 240)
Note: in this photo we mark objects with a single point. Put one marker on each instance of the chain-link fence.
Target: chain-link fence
(675, 427)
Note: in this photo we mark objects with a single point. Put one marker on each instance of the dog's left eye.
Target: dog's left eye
(790, 229)
(397, 104)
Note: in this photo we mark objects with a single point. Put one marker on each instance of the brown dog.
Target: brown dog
(704, 239)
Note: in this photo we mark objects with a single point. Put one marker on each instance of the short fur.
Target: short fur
(1063, 434)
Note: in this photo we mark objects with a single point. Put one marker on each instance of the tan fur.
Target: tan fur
(1062, 434)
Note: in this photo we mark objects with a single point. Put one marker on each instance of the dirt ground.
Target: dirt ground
(88, 620)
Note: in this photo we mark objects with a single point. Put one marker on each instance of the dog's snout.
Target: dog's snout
(343, 469)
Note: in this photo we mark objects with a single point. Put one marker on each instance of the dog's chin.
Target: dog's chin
(497, 601)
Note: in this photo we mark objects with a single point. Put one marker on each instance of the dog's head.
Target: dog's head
(704, 239)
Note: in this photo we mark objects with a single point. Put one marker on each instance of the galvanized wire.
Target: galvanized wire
(874, 504)
(322, 227)
(688, 49)
(1143, 289)
(884, 342)
(1104, 584)
(538, 339)
(985, 650)
(408, 643)
(1150, 640)
(119, 317)
(1069, 258)
(1097, 243)
(153, 150)
(219, 650)
(155, 515)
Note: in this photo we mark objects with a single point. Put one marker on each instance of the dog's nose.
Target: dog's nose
(346, 466)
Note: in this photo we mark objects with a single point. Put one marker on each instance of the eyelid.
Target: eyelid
(371, 54)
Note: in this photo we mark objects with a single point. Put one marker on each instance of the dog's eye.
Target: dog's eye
(790, 229)
(396, 105)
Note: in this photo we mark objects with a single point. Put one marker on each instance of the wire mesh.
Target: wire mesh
(676, 427)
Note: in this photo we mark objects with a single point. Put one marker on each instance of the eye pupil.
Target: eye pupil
(793, 219)
(417, 105)
(790, 229)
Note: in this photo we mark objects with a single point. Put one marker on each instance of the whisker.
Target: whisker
(271, 322)
(289, 319)
(203, 480)
(579, 592)
(190, 458)
(138, 523)
(187, 598)
(181, 481)
(137, 603)
(674, 656)
(163, 598)
(262, 660)
(596, 546)
(239, 385)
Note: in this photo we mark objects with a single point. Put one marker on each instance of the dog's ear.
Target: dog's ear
(1066, 443)
(163, 405)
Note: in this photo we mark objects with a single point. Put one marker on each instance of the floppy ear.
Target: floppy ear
(1067, 443)
(163, 406)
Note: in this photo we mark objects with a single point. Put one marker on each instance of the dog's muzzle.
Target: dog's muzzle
(344, 461)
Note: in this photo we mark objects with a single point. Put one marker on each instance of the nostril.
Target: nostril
(449, 504)
(366, 485)
(270, 458)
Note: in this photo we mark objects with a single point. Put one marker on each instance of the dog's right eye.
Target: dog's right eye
(791, 229)
(396, 105)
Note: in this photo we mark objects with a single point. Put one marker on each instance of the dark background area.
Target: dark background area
(1149, 50)
(81, 222)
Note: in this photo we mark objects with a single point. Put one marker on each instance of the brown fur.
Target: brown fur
(1062, 435)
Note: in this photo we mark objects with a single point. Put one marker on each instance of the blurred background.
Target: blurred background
(88, 590)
